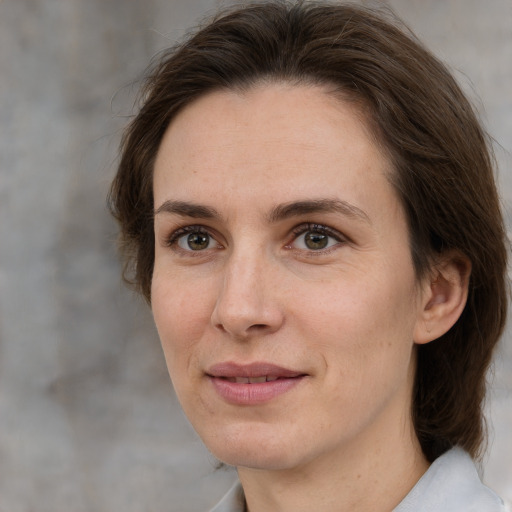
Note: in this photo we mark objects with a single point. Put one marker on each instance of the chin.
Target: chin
(253, 451)
(255, 458)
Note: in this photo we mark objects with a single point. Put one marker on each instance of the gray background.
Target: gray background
(88, 419)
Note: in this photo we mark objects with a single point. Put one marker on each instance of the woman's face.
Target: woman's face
(283, 288)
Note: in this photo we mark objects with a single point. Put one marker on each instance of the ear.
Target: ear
(444, 295)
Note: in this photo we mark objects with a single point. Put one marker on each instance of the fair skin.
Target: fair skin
(281, 243)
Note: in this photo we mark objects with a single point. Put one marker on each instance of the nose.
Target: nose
(248, 304)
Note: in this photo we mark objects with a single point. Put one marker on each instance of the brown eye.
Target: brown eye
(195, 241)
(316, 237)
(198, 241)
(315, 241)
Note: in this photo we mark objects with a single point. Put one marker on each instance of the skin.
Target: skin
(348, 316)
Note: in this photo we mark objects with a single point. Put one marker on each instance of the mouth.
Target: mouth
(251, 380)
(252, 384)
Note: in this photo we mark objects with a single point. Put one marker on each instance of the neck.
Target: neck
(375, 473)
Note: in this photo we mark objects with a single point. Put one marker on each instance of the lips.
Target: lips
(252, 384)
(270, 371)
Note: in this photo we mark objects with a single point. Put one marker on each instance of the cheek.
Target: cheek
(182, 314)
(363, 327)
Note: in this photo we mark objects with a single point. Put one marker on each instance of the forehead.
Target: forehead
(275, 139)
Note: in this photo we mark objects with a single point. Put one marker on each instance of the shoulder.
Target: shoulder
(451, 484)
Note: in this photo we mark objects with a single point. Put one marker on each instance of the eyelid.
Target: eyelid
(320, 228)
(172, 239)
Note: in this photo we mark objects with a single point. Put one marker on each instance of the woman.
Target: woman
(307, 201)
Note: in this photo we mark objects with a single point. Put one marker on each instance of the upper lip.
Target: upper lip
(252, 370)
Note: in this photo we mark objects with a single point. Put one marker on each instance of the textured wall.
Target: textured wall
(88, 420)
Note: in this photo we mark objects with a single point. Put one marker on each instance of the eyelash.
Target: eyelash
(173, 239)
(310, 227)
(186, 230)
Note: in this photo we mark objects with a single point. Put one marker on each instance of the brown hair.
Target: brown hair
(417, 112)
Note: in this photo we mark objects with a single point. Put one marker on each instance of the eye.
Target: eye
(195, 241)
(192, 238)
(315, 237)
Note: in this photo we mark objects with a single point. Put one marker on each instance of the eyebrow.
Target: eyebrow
(278, 213)
(297, 208)
(186, 209)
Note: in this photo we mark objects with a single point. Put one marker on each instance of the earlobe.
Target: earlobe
(444, 297)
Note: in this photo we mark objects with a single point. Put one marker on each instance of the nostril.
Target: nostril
(258, 329)
(251, 329)
(220, 327)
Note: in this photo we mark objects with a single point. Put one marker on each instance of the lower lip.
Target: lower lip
(253, 394)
